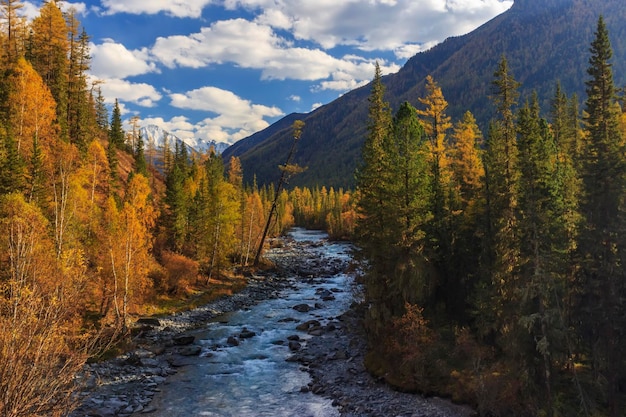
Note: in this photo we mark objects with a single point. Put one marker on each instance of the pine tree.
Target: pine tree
(116, 132)
(80, 117)
(49, 56)
(501, 179)
(602, 244)
(141, 166)
(373, 177)
(13, 45)
(102, 114)
(12, 167)
(539, 228)
(468, 204)
(437, 124)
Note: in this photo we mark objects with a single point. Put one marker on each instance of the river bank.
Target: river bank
(331, 353)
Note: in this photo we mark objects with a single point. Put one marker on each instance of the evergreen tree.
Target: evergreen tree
(80, 117)
(602, 244)
(176, 201)
(468, 205)
(116, 132)
(49, 56)
(501, 178)
(141, 166)
(376, 226)
(409, 210)
(13, 45)
(373, 178)
(102, 114)
(11, 166)
(541, 286)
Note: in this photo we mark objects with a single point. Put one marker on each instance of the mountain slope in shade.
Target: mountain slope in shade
(544, 41)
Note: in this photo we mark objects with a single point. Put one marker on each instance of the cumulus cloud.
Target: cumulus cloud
(229, 42)
(366, 25)
(141, 94)
(113, 60)
(176, 8)
(78, 7)
(235, 118)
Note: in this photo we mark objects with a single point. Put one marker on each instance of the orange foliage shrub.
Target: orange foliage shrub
(413, 343)
(181, 272)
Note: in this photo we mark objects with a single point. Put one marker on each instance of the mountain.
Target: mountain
(154, 138)
(544, 41)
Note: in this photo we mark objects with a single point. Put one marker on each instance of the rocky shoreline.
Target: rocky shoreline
(125, 386)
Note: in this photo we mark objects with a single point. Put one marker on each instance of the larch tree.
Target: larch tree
(437, 124)
(440, 232)
(130, 245)
(80, 115)
(49, 56)
(32, 109)
(40, 354)
(468, 205)
(13, 39)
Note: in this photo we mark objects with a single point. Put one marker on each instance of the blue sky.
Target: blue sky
(224, 69)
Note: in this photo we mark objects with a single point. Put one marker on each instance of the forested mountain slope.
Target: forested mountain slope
(544, 41)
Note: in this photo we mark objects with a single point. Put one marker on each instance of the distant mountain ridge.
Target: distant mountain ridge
(155, 137)
(544, 41)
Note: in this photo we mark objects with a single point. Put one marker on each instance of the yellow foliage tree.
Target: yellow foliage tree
(32, 108)
(129, 245)
(40, 349)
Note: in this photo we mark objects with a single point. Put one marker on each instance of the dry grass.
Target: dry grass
(198, 294)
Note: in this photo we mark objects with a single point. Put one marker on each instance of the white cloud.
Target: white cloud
(79, 8)
(113, 60)
(139, 93)
(176, 8)
(295, 98)
(29, 11)
(366, 24)
(235, 118)
(228, 42)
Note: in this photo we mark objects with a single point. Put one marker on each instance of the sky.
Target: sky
(224, 69)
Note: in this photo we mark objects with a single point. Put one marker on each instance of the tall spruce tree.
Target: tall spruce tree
(374, 230)
(116, 132)
(501, 179)
(373, 178)
(602, 241)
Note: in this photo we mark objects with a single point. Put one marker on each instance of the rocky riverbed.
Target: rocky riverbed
(333, 356)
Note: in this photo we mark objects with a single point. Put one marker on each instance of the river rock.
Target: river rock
(308, 325)
(183, 340)
(149, 321)
(190, 351)
(232, 341)
(246, 334)
(302, 308)
(294, 346)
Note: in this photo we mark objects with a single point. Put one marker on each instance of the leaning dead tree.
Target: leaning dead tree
(287, 171)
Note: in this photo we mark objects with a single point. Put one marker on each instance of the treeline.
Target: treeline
(496, 265)
(95, 229)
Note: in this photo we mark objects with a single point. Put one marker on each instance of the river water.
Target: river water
(254, 378)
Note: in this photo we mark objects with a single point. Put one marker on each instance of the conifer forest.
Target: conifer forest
(492, 262)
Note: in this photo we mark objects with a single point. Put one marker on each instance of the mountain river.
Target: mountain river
(254, 377)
